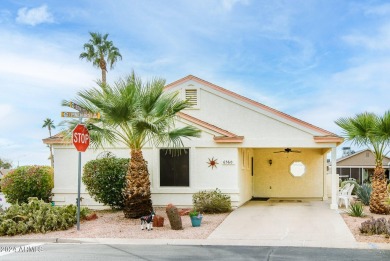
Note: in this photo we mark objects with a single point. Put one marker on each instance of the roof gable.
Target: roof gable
(320, 134)
(361, 158)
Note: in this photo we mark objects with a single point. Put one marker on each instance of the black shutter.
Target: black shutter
(174, 168)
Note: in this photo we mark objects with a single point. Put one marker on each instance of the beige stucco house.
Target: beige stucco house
(246, 149)
(359, 165)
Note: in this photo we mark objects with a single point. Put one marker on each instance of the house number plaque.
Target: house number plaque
(227, 162)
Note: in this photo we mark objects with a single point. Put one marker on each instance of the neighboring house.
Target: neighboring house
(3, 172)
(359, 165)
(235, 153)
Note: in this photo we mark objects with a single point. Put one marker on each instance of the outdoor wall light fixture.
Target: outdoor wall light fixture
(270, 162)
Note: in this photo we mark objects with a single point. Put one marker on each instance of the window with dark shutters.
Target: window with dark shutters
(174, 168)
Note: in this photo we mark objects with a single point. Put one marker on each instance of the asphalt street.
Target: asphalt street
(104, 252)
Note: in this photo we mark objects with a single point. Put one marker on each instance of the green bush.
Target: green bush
(37, 216)
(364, 193)
(105, 179)
(28, 181)
(352, 182)
(211, 202)
(356, 210)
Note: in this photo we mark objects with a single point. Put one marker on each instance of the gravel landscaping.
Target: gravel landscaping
(113, 224)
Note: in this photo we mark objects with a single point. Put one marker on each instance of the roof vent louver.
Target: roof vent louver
(192, 96)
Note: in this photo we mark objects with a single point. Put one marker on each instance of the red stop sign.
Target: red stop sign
(80, 137)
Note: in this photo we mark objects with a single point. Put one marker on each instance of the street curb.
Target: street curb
(39, 240)
(194, 242)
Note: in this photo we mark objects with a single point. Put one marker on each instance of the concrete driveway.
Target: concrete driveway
(285, 223)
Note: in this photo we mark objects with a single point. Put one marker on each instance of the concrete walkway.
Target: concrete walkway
(285, 223)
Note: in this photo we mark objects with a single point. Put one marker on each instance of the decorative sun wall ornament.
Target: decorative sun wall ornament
(212, 163)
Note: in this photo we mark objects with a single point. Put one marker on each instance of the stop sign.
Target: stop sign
(80, 137)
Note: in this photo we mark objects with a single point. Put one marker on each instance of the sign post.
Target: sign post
(80, 139)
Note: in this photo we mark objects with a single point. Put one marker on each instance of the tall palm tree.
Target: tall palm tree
(100, 51)
(49, 124)
(135, 114)
(373, 131)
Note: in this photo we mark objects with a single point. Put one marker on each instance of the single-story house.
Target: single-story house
(3, 172)
(246, 149)
(359, 165)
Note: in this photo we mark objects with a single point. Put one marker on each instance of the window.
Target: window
(297, 169)
(174, 168)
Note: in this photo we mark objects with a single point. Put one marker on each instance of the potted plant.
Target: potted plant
(196, 218)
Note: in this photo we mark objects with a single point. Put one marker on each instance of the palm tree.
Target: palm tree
(49, 123)
(368, 129)
(100, 51)
(135, 114)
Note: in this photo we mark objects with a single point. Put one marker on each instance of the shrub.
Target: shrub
(352, 182)
(211, 202)
(37, 216)
(105, 179)
(375, 226)
(28, 181)
(356, 210)
(364, 193)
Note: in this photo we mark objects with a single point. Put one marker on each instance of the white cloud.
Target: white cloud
(47, 73)
(34, 16)
(229, 4)
(5, 111)
(378, 40)
(41, 62)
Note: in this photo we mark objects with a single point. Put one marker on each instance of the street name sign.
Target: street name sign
(69, 114)
(77, 107)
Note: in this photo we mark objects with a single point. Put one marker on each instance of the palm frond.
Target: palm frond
(134, 113)
(367, 129)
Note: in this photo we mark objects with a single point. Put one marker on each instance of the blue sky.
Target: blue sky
(315, 60)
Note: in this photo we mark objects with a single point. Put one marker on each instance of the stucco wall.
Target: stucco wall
(276, 181)
(260, 127)
(66, 173)
(202, 177)
(245, 174)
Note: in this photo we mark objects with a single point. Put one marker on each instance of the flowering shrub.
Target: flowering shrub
(28, 181)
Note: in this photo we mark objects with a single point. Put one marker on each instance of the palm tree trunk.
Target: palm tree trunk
(137, 196)
(103, 67)
(379, 192)
(104, 77)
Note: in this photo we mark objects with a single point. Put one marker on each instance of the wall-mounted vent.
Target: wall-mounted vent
(192, 96)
